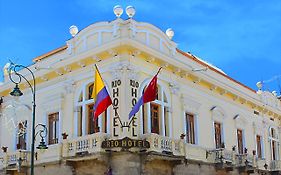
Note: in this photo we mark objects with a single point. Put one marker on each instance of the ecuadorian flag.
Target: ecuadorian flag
(100, 94)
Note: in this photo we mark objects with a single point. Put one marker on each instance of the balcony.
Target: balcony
(84, 145)
(220, 155)
(164, 145)
(11, 160)
(195, 152)
(244, 160)
(275, 165)
(52, 154)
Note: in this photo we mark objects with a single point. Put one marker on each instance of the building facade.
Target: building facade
(202, 122)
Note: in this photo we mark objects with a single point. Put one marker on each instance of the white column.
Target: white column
(148, 118)
(162, 119)
(84, 122)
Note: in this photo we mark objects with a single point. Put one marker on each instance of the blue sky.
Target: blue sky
(243, 38)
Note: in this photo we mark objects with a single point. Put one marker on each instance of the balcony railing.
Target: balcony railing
(11, 160)
(275, 165)
(220, 155)
(244, 160)
(84, 145)
(260, 164)
(166, 145)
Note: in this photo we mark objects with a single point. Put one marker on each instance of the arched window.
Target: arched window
(85, 123)
(218, 116)
(155, 116)
(274, 143)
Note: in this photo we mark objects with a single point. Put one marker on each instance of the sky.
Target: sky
(243, 38)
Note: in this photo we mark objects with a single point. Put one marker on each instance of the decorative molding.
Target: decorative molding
(69, 86)
(165, 65)
(112, 53)
(150, 59)
(183, 74)
(59, 72)
(174, 87)
(176, 70)
(118, 69)
(240, 121)
(44, 78)
(70, 47)
(213, 87)
(258, 128)
(67, 68)
(196, 80)
(116, 29)
(235, 97)
(82, 64)
(136, 53)
(190, 104)
(223, 91)
(96, 58)
(218, 114)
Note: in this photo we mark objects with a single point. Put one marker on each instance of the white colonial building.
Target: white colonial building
(202, 122)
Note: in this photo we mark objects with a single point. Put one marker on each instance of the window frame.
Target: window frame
(81, 111)
(275, 155)
(221, 134)
(242, 140)
(24, 136)
(57, 128)
(195, 132)
(261, 145)
(165, 121)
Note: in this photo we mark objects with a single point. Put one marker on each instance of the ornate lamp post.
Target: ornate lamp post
(14, 69)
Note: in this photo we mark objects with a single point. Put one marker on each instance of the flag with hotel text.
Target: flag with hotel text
(150, 94)
(100, 94)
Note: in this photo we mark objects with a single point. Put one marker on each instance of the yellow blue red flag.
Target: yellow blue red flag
(100, 95)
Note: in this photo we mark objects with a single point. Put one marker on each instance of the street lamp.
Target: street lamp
(14, 70)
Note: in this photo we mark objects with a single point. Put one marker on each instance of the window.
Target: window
(85, 123)
(21, 140)
(240, 141)
(53, 121)
(155, 116)
(259, 146)
(154, 108)
(218, 135)
(190, 128)
(274, 144)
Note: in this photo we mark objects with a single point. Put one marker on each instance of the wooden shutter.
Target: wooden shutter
(218, 135)
(258, 140)
(240, 141)
(154, 108)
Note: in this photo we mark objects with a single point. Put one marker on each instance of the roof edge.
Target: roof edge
(213, 69)
(52, 52)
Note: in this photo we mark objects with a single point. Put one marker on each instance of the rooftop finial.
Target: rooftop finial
(73, 30)
(118, 10)
(170, 33)
(130, 11)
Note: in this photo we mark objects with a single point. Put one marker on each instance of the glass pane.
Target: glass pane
(90, 91)
(218, 137)
(90, 119)
(166, 117)
(158, 95)
(240, 141)
(79, 129)
(258, 139)
(80, 97)
(154, 118)
(144, 118)
(165, 98)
